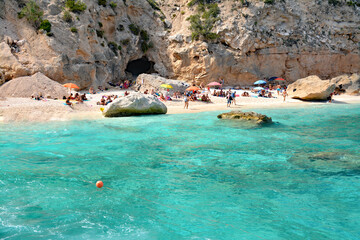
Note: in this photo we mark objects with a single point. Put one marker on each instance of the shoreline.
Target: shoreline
(28, 110)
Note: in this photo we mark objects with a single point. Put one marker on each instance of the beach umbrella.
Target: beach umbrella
(258, 88)
(193, 88)
(70, 86)
(279, 79)
(214, 84)
(259, 82)
(272, 79)
(168, 86)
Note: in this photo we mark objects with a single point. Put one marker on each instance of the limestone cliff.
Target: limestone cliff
(117, 39)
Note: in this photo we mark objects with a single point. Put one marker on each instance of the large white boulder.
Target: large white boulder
(311, 88)
(135, 104)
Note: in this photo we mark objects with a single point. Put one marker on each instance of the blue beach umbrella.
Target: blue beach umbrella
(258, 88)
(272, 79)
(259, 82)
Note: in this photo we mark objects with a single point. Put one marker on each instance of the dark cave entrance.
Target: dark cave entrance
(139, 66)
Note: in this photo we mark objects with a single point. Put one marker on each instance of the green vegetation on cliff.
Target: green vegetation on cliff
(102, 3)
(75, 6)
(145, 44)
(134, 29)
(67, 16)
(100, 33)
(45, 25)
(269, 1)
(113, 5)
(202, 25)
(33, 13)
(73, 30)
(114, 47)
(353, 3)
(154, 4)
(144, 37)
(125, 41)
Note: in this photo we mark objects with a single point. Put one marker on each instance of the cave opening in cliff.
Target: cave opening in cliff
(139, 66)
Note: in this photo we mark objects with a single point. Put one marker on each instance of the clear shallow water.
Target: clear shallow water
(188, 176)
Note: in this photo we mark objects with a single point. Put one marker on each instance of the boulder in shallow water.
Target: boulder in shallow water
(251, 117)
(311, 88)
(135, 104)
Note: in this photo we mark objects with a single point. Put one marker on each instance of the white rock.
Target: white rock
(176, 38)
(311, 88)
(135, 104)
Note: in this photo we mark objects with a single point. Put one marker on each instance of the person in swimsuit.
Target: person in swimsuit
(68, 102)
(186, 101)
(278, 88)
(284, 94)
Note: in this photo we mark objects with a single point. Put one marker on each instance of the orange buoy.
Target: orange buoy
(99, 184)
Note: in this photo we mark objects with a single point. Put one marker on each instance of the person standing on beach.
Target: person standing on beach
(233, 96)
(278, 88)
(284, 94)
(186, 101)
(330, 97)
(228, 99)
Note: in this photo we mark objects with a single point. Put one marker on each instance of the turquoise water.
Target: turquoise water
(188, 176)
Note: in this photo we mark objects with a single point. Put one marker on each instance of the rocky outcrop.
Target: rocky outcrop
(249, 117)
(347, 83)
(135, 104)
(93, 48)
(37, 84)
(290, 39)
(152, 81)
(311, 88)
(2, 77)
(9, 64)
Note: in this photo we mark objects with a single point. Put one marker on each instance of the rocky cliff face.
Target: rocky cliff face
(290, 39)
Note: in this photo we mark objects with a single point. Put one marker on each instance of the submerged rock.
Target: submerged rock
(251, 117)
(330, 162)
(135, 104)
(311, 88)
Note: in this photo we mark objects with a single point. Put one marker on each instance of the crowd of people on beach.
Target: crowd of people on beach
(77, 98)
(263, 91)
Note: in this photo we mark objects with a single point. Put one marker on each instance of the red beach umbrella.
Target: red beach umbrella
(70, 86)
(214, 84)
(279, 79)
(193, 88)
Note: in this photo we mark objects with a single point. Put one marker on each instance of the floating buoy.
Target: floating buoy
(102, 109)
(99, 184)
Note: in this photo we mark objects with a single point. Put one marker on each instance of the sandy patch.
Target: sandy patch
(25, 109)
